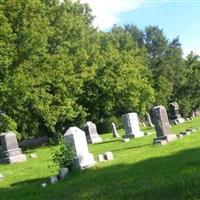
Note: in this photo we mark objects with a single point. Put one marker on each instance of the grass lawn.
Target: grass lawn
(139, 171)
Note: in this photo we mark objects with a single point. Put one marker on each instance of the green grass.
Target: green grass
(139, 171)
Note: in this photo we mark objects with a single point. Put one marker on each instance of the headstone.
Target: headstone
(100, 158)
(63, 172)
(114, 131)
(162, 125)
(150, 124)
(91, 133)
(191, 129)
(108, 155)
(1, 177)
(53, 179)
(131, 124)
(184, 133)
(44, 184)
(10, 151)
(143, 124)
(174, 114)
(76, 137)
(126, 140)
(33, 155)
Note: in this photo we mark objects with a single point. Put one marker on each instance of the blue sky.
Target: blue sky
(176, 17)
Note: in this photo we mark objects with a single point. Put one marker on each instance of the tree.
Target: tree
(121, 83)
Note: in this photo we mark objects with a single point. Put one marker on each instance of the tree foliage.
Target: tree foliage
(57, 70)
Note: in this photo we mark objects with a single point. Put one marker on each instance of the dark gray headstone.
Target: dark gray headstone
(10, 151)
(92, 135)
(162, 125)
(174, 113)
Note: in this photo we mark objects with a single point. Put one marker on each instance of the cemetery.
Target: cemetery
(112, 169)
(99, 100)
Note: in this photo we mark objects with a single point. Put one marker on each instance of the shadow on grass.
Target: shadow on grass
(172, 177)
(108, 141)
(132, 147)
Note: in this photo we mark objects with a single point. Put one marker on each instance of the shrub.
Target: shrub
(64, 156)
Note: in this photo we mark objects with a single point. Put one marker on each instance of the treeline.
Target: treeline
(57, 70)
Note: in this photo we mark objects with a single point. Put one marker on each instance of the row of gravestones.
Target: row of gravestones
(11, 153)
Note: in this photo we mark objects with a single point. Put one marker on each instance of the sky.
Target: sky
(176, 17)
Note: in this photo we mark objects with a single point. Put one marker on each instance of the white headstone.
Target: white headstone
(149, 120)
(131, 124)
(100, 158)
(76, 137)
(114, 131)
(108, 155)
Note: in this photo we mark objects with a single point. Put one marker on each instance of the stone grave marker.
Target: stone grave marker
(108, 155)
(150, 124)
(162, 126)
(131, 124)
(92, 135)
(10, 151)
(76, 137)
(174, 114)
(114, 131)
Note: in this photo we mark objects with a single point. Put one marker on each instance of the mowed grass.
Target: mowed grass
(139, 171)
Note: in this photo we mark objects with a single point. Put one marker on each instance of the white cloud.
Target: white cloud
(107, 11)
(186, 51)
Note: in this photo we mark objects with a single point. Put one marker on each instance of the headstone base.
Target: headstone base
(86, 162)
(184, 133)
(14, 159)
(167, 138)
(161, 142)
(94, 140)
(134, 135)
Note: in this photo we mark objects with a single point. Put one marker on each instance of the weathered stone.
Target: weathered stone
(114, 131)
(150, 124)
(126, 139)
(33, 155)
(100, 158)
(44, 184)
(108, 156)
(191, 129)
(53, 179)
(149, 133)
(92, 135)
(162, 125)
(174, 114)
(63, 172)
(1, 177)
(184, 133)
(160, 142)
(179, 136)
(131, 124)
(10, 151)
(76, 137)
